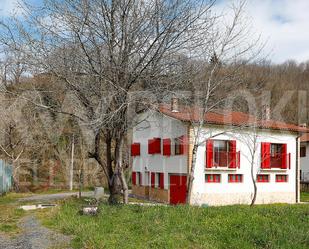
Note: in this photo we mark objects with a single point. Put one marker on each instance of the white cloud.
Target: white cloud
(9, 7)
(285, 24)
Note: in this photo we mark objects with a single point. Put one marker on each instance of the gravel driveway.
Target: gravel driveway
(34, 236)
(53, 197)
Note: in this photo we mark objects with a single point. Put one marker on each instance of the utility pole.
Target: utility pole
(72, 164)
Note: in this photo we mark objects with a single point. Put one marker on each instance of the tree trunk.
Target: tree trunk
(254, 185)
(71, 173)
(119, 159)
(191, 174)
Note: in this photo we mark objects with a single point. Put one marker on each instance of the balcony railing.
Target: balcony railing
(278, 160)
(226, 159)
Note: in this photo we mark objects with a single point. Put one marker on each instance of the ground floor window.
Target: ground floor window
(235, 178)
(138, 178)
(281, 178)
(213, 178)
(262, 178)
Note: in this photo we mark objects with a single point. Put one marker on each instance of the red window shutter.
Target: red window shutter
(238, 159)
(265, 155)
(133, 178)
(135, 149)
(284, 164)
(209, 153)
(183, 145)
(161, 181)
(232, 154)
(153, 175)
(157, 145)
(150, 146)
(166, 147)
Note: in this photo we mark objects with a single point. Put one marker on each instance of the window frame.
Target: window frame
(265, 178)
(303, 150)
(212, 178)
(238, 178)
(285, 176)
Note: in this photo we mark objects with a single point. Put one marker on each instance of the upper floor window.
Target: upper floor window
(274, 155)
(303, 151)
(180, 143)
(222, 153)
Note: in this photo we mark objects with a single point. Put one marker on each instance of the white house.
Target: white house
(304, 158)
(162, 151)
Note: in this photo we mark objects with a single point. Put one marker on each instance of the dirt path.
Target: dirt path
(34, 236)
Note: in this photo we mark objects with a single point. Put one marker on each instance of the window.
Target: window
(213, 178)
(262, 178)
(138, 180)
(221, 149)
(303, 151)
(274, 155)
(281, 178)
(235, 178)
(179, 145)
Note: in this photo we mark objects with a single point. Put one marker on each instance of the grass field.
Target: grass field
(304, 196)
(263, 226)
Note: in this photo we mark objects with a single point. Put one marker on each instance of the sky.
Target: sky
(283, 24)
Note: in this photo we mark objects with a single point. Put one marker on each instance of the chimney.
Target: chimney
(266, 112)
(174, 105)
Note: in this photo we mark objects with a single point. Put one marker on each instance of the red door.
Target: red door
(178, 189)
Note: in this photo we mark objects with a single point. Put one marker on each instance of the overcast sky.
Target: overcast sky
(284, 24)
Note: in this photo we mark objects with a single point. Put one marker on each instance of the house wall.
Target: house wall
(304, 164)
(158, 126)
(222, 193)
(225, 193)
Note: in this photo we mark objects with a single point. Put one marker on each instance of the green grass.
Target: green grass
(264, 226)
(9, 213)
(304, 196)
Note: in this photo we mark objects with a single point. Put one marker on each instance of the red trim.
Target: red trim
(167, 147)
(282, 178)
(235, 178)
(265, 155)
(232, 154)
(209, 153)
(153, 177)
(161, 180)
(213, 178)
(133, 178)
(284, 164)
(135, 149)
(154, 146)
(262, 178)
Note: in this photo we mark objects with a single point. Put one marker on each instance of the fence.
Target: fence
(304, 186)
(6, 174)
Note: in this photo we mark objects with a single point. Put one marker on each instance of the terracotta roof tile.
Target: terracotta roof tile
(228, 118)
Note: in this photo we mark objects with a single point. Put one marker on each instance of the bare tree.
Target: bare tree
(214, 81)
(103, 51)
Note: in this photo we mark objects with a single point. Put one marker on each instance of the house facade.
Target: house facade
(304, 158)
(161, 153)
